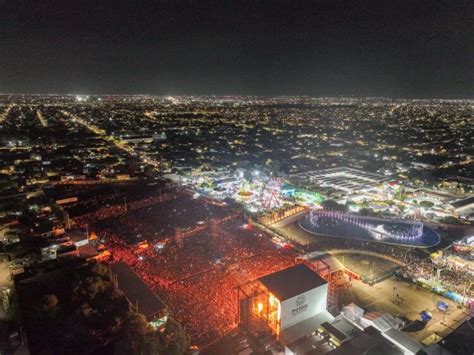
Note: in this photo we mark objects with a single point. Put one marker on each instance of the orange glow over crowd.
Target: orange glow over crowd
(197, 278)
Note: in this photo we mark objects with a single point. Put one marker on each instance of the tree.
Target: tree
(99, 269)
(90, 287)
(450, 220)
(110, 160)
(137, 337)
(49, 304)
(132, 334)
(333, 205)
(7, 184)
(149, 171)
(173, 338)
(274, 166)
(366, 212)
(426, 204)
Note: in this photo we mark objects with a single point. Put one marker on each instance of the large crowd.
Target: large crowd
(155, 217)
(111, 211)
(418, 264)
(442, 270)
(198, 278)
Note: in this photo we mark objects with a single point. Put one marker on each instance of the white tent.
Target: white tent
(379, 320)
(352, 312)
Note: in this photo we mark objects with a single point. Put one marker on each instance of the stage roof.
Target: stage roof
(136, 291)
(292, 281)
(332, 262)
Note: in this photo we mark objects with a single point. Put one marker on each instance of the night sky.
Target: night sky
(321, 48)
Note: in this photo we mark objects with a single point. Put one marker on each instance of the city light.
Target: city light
(237, 177)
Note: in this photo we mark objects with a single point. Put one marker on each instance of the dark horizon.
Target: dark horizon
(237, 95)
(395, 49)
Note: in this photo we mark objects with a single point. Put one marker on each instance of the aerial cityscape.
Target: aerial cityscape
(195, 199)
(325, 207)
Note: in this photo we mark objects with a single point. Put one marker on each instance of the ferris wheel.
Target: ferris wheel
(270, 196)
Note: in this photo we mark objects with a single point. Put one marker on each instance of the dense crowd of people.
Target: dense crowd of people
(198, 277)
(450, 275)
(198, 280)
(418, 264)
(155, 217)
(111, 211)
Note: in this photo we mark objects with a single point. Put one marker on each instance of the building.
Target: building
(80, 239)
(140, 298)
(464, 207)
(349, 180)
(383, 328)
(301, 293)
(460, 340)
(291, 303)
(369, 342)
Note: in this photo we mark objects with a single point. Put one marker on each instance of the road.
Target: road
(4, 114)
(119, 143)
(41, 118)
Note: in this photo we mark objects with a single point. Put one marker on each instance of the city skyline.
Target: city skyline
(236, 177)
